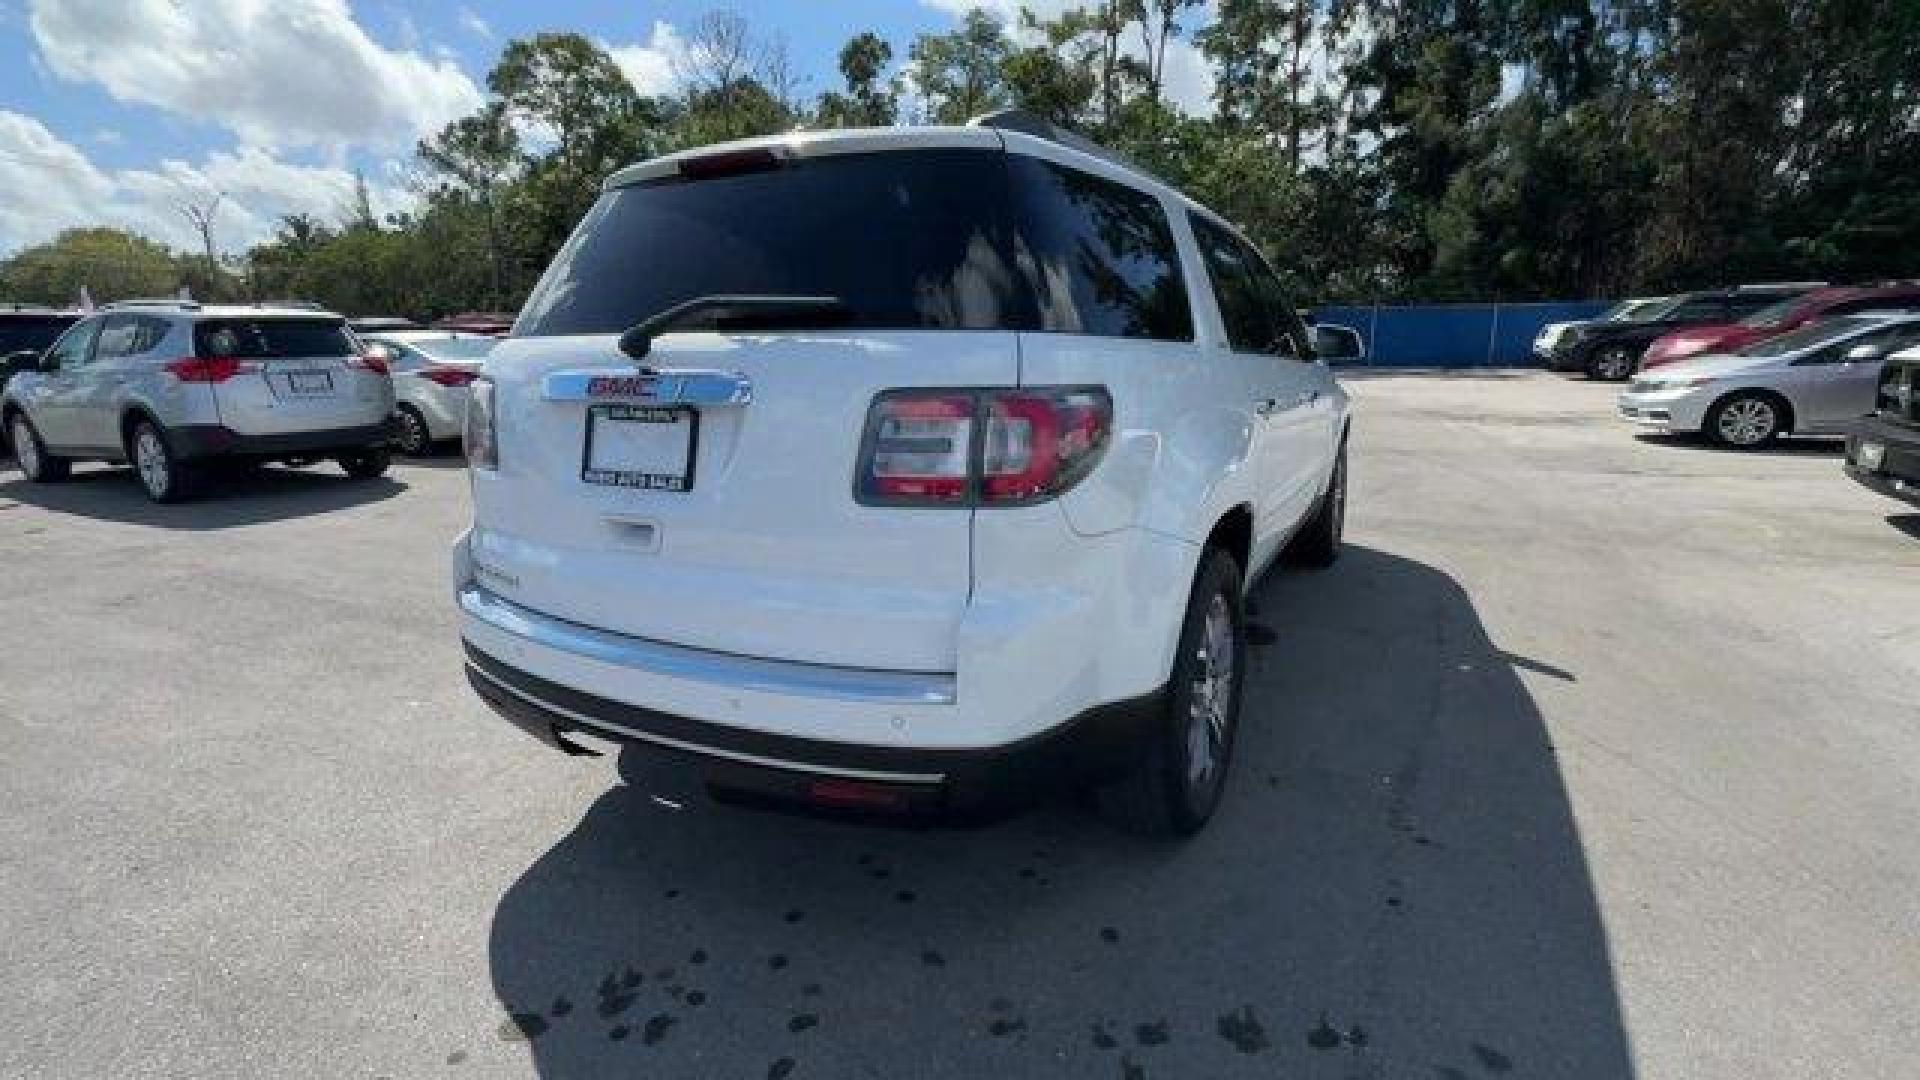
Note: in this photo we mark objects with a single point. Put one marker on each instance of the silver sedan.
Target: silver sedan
(1816, 380)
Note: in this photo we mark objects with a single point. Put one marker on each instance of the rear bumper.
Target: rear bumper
(213, 440)
(1898, 474)
(896, 780)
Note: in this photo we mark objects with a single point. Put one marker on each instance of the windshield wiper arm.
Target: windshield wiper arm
(724, 311)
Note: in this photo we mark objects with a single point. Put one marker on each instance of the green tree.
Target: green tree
(869, 100)
(962, 74)
(110, 264)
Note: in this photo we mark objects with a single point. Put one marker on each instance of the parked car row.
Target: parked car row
(172, 386)
(1652, 332)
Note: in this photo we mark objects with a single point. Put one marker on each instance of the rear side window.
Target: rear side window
(30, 332)
(1102, 254)
(936, 239)
(268, 338)
(908, 240)
(130, 335)
(1699, 311)
(1253, 306)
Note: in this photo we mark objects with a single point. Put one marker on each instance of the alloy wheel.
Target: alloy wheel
(1747, 422)
(150, 458)
(1615, 364)
(413, 433)
(1210, 698)
(25, 450)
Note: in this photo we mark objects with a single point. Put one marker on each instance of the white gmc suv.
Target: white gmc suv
(898, 471)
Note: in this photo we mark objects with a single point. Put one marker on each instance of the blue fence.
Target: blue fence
(1454, 335)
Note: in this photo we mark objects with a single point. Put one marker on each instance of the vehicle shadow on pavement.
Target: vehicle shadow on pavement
(231, 498)
(1906, 523)
(1395, 887)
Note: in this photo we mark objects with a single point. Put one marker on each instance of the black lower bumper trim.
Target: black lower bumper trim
(962, 783)
(213, 440)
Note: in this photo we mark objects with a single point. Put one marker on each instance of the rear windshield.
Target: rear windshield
(30, 332)
(1808, 337)
(267, 338)
(1774, 314)
(469, 348)
(918, 239)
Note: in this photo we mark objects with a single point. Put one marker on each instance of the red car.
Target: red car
(1775, 319)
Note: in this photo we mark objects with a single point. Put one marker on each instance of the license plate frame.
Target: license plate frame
(640, 479)
(310, 382)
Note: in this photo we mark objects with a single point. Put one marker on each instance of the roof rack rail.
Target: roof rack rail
(153, 301)
(1039, 127)
(1775, 286)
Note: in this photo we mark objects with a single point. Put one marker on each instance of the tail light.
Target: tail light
(368, 362)
(989, 447)
(209, 369)
(483, 451)
(448, 376)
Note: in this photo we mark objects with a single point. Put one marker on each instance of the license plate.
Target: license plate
(635, 446)
(1871, 456)
(310, 382)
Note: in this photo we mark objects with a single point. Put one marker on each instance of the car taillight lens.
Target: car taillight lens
(368, 362)
(209, 369)
(919, 449)
(988, 447)
(483, 451)
(448, 376)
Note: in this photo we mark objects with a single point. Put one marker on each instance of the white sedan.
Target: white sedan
(1816, 380)
(431, 372)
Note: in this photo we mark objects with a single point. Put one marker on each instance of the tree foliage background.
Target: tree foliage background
(1377, 149)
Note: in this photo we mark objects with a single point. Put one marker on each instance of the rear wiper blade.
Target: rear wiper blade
(735, 312)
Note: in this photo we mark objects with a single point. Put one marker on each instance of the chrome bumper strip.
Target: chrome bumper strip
(727, 670)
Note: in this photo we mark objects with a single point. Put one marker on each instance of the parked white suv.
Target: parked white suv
(897, 470)
(170, 385)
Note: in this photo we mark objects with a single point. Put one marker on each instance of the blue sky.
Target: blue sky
(117, 111)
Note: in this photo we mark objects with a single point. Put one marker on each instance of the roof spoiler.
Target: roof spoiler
(1039, 127)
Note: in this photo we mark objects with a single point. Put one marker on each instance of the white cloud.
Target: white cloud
(471, 21)
(107, 136)
(53, 185)
(277, 73)
(650, 67)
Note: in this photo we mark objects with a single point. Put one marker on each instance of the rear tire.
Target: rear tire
(366, 464)
(163, 476)
(1181, 775)
(1317, 544)
(38, 466)
(415, 439)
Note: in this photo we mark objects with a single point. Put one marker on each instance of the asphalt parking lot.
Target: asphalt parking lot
(1596, 756)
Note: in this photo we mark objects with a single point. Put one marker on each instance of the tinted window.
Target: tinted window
(1807, 337)
(1101, 254)
(76, 345)
(1236, 288)
(266, 338)
(1775, 313)
(1253, 305)
(915, 239)
(1699, 311)
(130, 335)
(1877, 302)
(34, 332)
